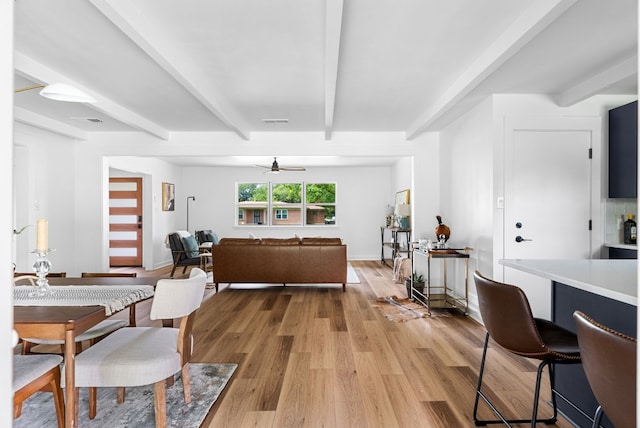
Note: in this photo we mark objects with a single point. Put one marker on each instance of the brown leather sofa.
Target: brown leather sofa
(283, 261)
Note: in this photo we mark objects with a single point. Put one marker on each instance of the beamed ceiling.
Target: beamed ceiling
(163, 66)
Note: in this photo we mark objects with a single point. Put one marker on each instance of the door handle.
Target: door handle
(520, 239)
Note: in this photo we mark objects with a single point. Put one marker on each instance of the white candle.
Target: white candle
(42, 236)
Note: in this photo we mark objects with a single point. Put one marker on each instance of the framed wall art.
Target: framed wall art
(402, 197)
(168, 196)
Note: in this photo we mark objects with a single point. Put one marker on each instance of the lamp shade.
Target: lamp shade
(403, 210)
(64, 92)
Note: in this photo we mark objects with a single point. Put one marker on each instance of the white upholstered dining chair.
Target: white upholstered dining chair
(137, 356)
(33, 373)
(93, 335)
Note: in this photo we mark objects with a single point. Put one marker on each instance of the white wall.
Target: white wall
(44, 188)
(425, 185)
(362, 196)
(6, 180)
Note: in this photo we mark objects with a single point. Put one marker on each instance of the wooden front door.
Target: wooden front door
(125, 221)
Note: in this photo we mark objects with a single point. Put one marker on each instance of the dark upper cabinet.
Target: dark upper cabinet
(623, 151)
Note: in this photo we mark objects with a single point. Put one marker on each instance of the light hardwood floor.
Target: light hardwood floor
(318, 357)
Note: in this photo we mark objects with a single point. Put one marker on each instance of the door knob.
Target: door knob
(518, 225)
(520, 239)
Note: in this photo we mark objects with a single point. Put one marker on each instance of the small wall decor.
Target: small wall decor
(402, 197)
(168, 196)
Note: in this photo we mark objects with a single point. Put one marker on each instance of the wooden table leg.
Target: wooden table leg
(71, 402)
(132, 315)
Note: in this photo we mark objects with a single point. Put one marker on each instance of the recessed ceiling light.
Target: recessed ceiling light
(90, 119)
(275, 121)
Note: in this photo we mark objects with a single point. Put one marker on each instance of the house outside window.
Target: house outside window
(286, 197)
(252, 203)
(286, 204)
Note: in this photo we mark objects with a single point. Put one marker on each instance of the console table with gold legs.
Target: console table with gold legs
(394, 243)
(442, 294)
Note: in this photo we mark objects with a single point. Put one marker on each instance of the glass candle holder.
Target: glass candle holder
(42, 266)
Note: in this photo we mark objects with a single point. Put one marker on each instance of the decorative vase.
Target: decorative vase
(442, 230)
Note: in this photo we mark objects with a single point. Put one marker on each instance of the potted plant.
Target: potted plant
(418, 282)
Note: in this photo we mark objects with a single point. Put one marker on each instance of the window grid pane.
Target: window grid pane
(286, 204)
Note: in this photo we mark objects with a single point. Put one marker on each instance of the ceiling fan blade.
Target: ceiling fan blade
(292, 169)
(276, 168)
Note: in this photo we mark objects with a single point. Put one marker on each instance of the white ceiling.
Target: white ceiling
(163, 66)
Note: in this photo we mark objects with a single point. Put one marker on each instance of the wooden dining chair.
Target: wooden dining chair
(139, 356)
(109, 275)
(95, 333)
(50, 274)
(22, 279)
(33, 373)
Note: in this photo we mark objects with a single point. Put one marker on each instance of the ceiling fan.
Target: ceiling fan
(275, 168)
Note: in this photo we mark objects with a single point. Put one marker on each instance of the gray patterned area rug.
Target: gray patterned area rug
(207, 383)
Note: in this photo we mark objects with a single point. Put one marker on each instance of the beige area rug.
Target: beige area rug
(400, 310)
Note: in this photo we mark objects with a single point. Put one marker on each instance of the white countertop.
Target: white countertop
(615, 279)
(622, 246)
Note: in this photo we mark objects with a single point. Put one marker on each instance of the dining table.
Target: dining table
(67, 312)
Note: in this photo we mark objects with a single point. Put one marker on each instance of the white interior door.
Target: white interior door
(547, 201)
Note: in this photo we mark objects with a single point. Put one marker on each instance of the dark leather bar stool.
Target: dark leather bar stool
(510, 323)
(609, 361)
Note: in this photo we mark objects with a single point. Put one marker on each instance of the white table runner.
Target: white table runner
(114, 298)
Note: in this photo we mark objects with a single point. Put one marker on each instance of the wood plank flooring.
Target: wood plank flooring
(313, 356)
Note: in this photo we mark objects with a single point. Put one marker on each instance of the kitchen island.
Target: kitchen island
(605, 290)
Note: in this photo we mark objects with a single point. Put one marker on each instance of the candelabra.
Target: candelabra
(42, 266)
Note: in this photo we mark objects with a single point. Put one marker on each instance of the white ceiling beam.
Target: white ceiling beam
(36, 71)
(39, 121)
(162, 49)
(533, 21)
(333, 29)
(623, 70)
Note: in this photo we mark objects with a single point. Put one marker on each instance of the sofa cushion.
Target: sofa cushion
(280, 241)
(239, 241)
(212, 237)
(190, 246)
(321, 241)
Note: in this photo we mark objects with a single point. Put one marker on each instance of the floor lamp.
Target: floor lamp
(194, 199)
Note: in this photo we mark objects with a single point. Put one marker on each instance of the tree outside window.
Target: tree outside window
(320, 203)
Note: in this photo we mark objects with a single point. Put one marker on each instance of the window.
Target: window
(320, 203)
(252, 203)
(286, 198)
(286, 204)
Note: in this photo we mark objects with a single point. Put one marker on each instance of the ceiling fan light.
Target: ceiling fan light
(64, 92)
